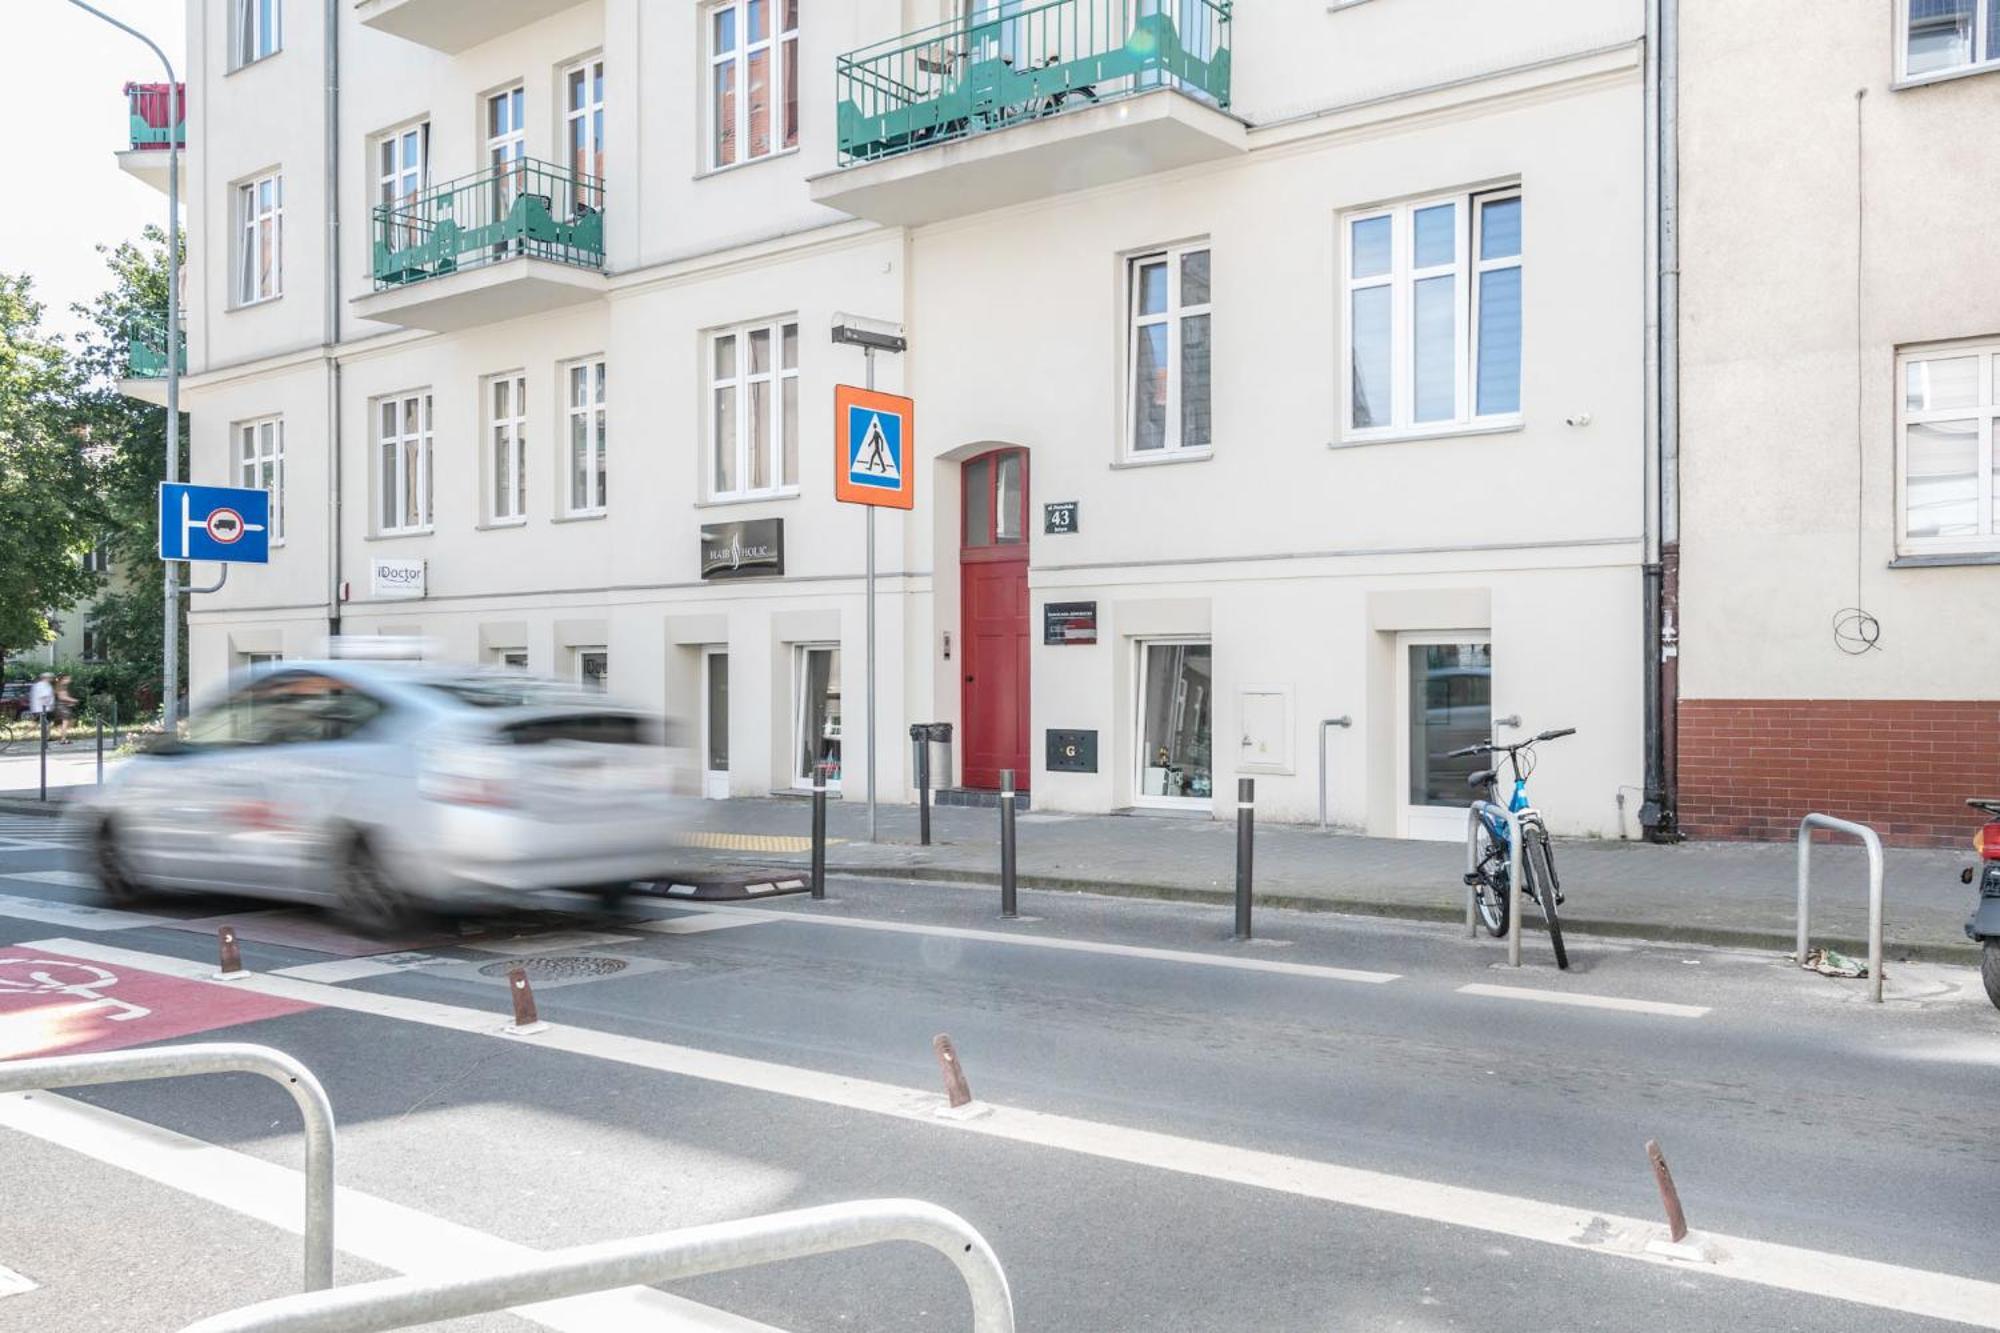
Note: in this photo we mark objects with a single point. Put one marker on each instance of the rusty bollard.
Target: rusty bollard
(956, 1092)
(526, 1019)
(1677, 1226)
(231, 968)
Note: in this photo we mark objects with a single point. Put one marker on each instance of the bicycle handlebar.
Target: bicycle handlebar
(1490, 747)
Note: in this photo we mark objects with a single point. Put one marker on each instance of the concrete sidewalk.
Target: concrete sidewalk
(1719, 893)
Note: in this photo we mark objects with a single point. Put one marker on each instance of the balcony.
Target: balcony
(512, 240)
(979, 113)
(158, 116)
(453, 26)
(146, 360)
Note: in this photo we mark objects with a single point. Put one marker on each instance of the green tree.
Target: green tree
(47, 517)
(128, 438)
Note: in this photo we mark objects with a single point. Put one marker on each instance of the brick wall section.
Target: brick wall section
(1751, 768)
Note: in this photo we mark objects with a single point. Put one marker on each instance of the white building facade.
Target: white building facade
(1282, 402)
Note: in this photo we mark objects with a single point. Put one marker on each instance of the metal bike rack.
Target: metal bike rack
(1874, 846)
(666, 1257)
(76, 1071)
(1326, 724)
(1472, 826)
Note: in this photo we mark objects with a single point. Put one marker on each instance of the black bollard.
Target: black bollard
(819, 832)
(100, 749)
(1246, 837)
(921, 735)
(45, 756)
(1007, 844)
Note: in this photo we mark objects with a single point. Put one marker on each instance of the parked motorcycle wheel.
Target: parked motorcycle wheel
(1989, 971)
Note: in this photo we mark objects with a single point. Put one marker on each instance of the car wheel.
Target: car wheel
(367, 896)
(114, 872)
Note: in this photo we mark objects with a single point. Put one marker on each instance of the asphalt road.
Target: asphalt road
(1320, 1130)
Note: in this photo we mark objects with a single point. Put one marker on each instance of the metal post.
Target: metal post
(819, 832)
(1007, 900)
(868, 354)
(1345, 720)
(1873, 843)
(1246, 839)
(100, 749)
(45, 756)
(1520, 899)
(76, 1071)
(1473, 820)
(921, 732)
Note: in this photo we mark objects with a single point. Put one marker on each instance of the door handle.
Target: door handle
(968, 680)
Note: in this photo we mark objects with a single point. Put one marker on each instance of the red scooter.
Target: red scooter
(1984, 927)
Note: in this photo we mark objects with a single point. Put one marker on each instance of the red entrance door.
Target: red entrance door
(993, 606)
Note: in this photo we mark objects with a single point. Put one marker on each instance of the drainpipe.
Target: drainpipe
(332, 188)
(1660, 610)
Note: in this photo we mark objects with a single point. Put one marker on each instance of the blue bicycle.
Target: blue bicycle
(1489, 879)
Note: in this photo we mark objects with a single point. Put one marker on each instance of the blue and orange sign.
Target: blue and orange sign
(874, 436)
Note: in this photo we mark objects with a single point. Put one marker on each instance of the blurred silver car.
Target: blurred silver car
(386, 787)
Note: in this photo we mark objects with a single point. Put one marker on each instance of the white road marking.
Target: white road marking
(1583, 1001)
(695, 925)
(69, 879)
(550, 942)
(401, 1239)
(75, 916)
(1060, 945)
(12, 1283)
(338, 970)
(1785, 1267)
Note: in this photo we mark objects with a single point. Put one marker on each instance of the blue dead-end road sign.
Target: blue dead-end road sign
(226, 523)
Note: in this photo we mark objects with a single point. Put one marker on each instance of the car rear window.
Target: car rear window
(602, 728)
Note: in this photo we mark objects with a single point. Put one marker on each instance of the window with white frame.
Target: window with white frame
(1946, 417)
(257, 29)
(260, 239)
(402, 164)
(1936, 37)
(583, 128)
(403, 472)
(1170, 353)
(507, 439)
(506, 145)
(260, 462)
(754, 414)
(753, 72)
(1433, 314)
(584, 409)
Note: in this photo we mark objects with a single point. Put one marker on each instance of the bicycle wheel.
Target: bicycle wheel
(1489, 888)
(1538, 864)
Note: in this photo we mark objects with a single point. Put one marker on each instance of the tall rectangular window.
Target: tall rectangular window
(506, 145)
(1168, 383)
(257, 29)
(753, 105)
(754, 417)
(1946, 413)
(585, 416)
(260, 239)
(260, 461)
(1433, 314)
(507, 435)
(815, 712)
(583, 129)
(1945, 36)
(403, 473)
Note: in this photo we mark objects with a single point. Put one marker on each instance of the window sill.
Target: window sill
(1944, 76)
(761, 497)
(1511, 426)
(580, 516)
(710, 172)
(1945, 559)
(397, 534)
(260, 301)
(252, 64)
(493, 523)
(1165, 458)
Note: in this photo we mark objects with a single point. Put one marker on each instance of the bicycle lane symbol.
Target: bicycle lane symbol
(49, 977)
(51, 1004)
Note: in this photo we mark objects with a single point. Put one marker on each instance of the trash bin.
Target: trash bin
(931, 741)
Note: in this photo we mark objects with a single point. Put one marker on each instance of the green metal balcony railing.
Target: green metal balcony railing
(158, 115)
(146, 351)
(1015, 61)
(525, 207)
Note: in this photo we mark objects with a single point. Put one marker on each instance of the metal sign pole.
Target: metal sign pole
(868, 353)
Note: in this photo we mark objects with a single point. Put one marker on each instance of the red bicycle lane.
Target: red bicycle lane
(55, 1005)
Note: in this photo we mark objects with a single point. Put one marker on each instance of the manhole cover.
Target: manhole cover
(560, 968)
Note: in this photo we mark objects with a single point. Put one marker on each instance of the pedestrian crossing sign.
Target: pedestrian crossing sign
(875, 448)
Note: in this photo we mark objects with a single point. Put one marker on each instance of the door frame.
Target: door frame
(1141, 648)
(995, 553)
(1431, 823)
(714, 782)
